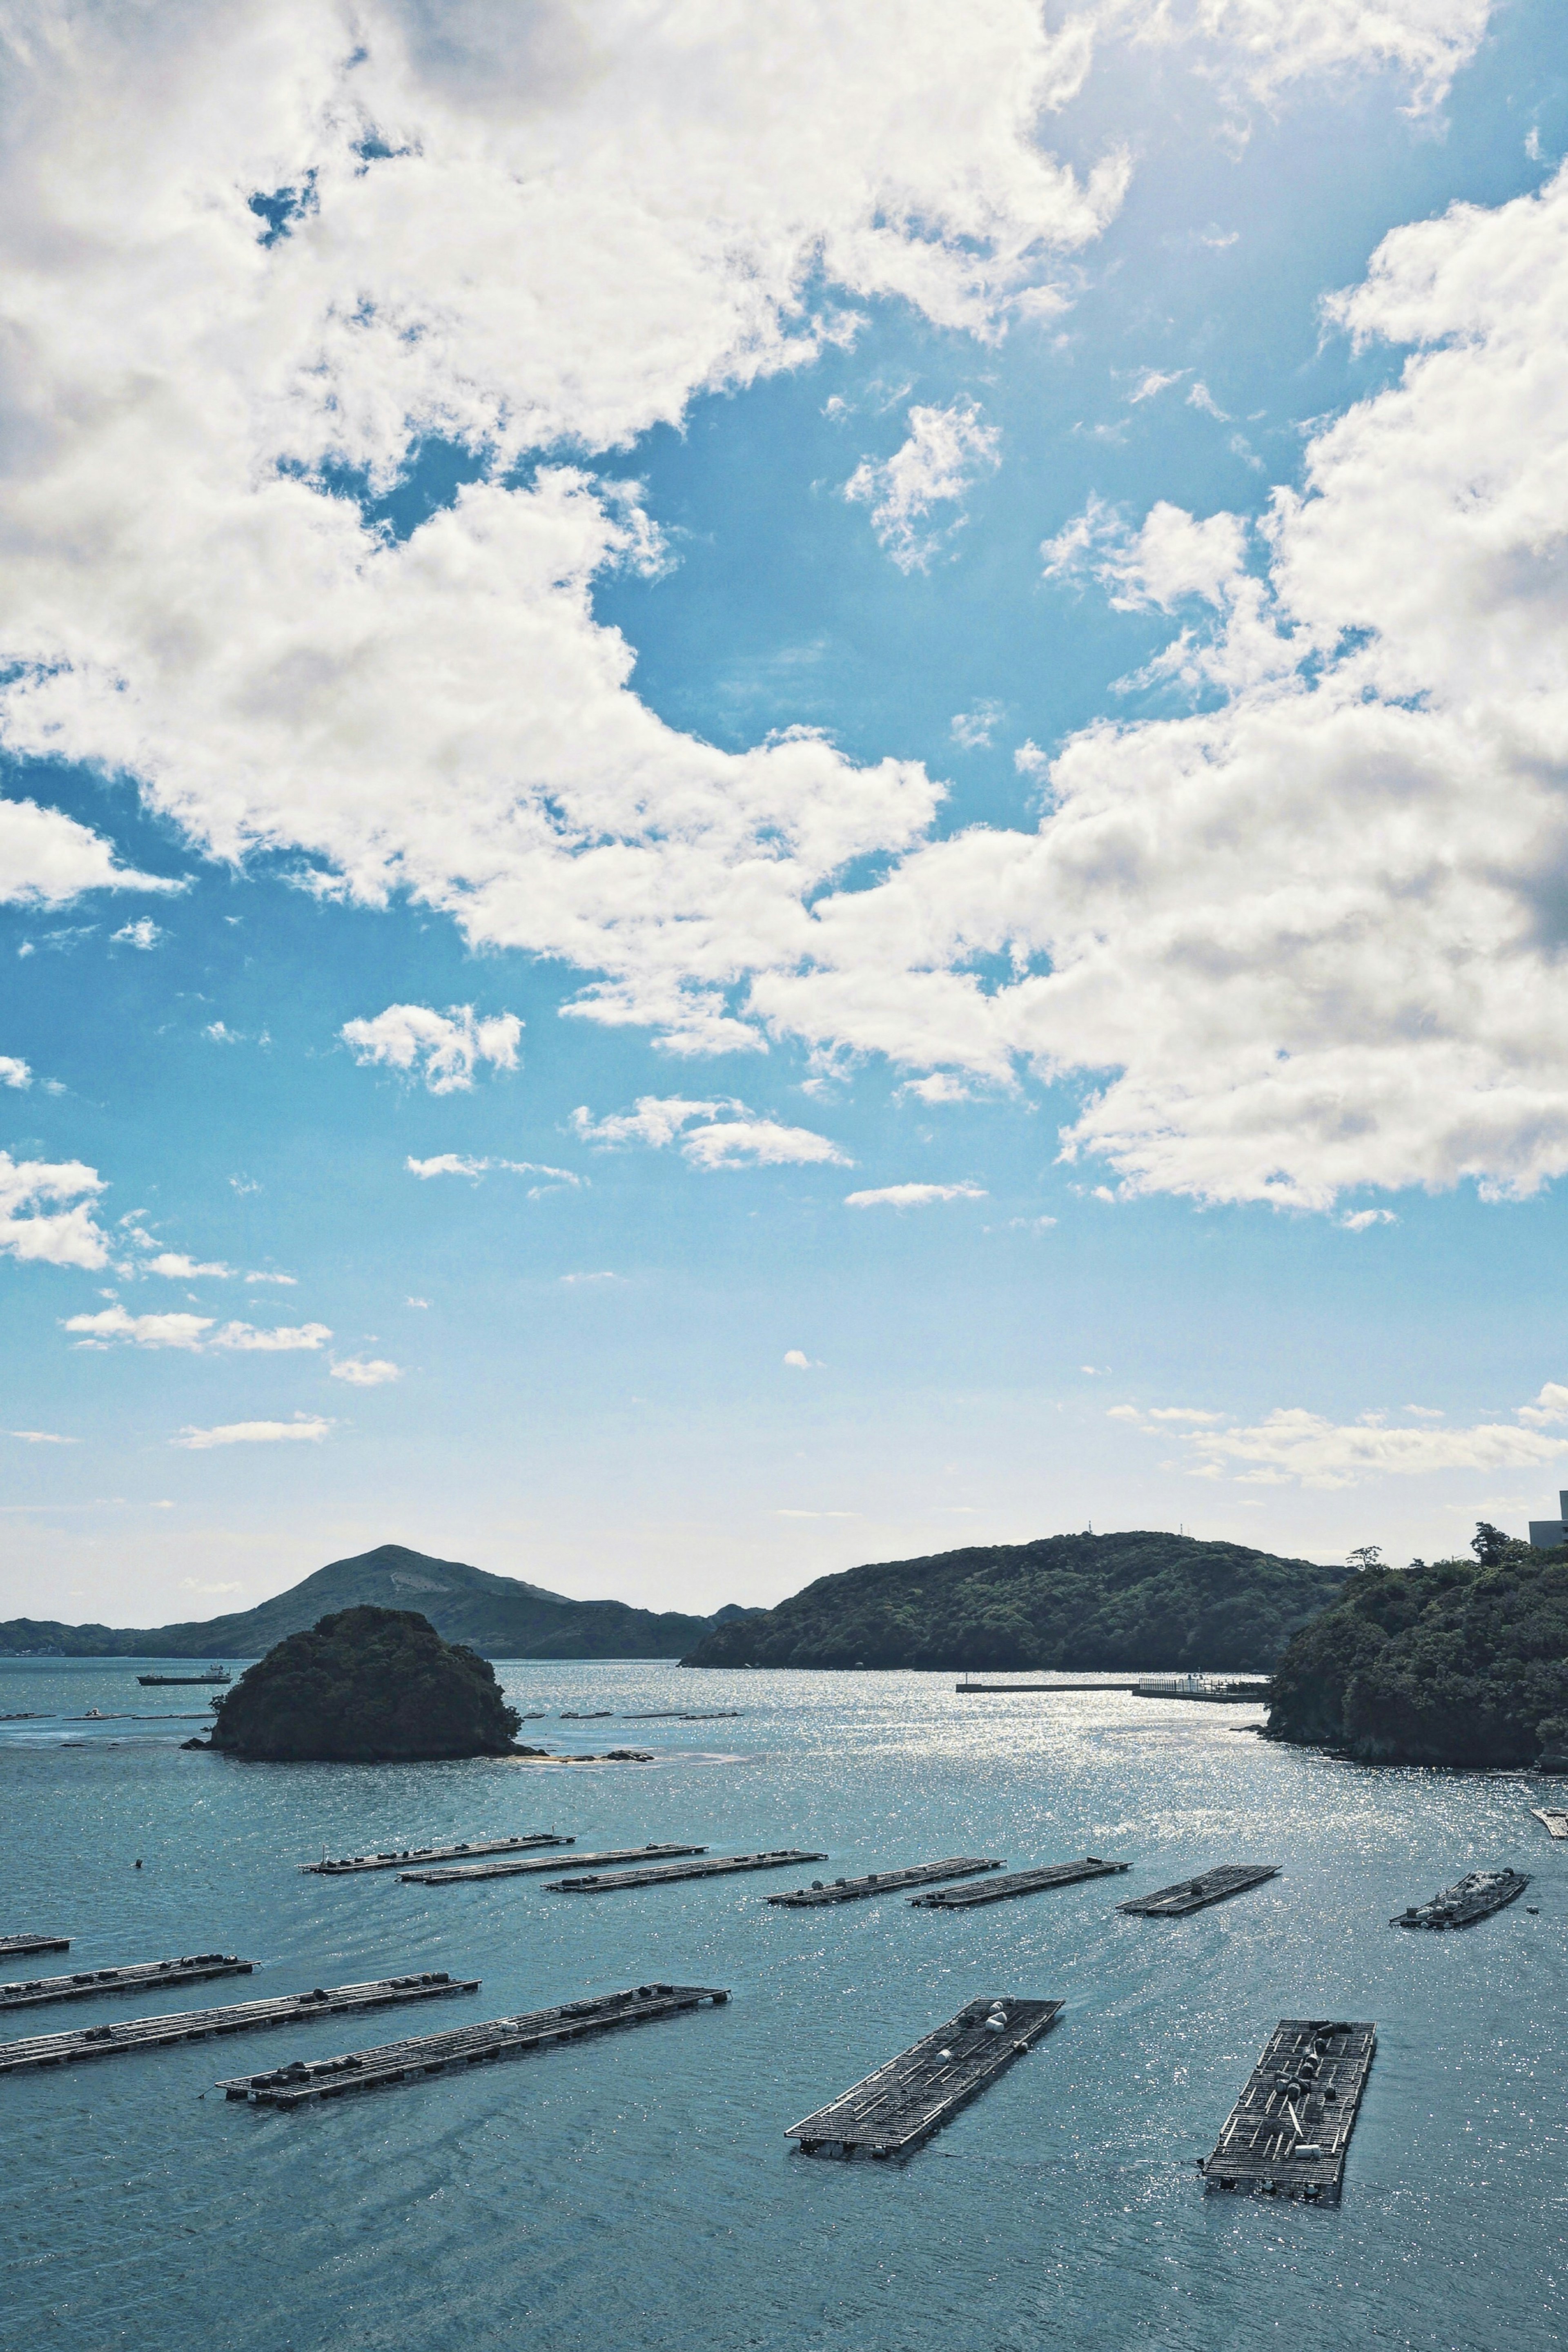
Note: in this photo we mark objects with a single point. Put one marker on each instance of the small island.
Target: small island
(366, 1685)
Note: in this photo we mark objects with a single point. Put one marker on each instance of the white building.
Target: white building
(1547, 1534)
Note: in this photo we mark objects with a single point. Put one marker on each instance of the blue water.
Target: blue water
(638, 2191)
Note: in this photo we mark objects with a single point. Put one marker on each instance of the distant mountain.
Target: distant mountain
(499, 1616)
(1069, 1603)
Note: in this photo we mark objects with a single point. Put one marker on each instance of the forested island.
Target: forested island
(366, 1685)
(1464, 1662)
(1141, 1600)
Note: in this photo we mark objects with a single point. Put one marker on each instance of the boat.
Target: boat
(1471, 1898)
(185, 1682)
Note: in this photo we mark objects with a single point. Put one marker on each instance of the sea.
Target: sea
(639, 2191)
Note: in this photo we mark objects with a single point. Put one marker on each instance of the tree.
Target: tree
(1489, 1544)
(1365, 1556)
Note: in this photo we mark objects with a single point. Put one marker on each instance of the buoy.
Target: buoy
(139, 1863)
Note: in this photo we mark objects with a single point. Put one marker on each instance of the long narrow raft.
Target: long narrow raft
(1553, 1820)
(469, 2045)
(1018, 1882)
(1209, 1886)
(17, 1948)
(142, 1976)
(547, 1862)
(1475, 1896)
(347, 1864)
(196, 2024)
(1287, 2132)
(894, 2110)
(880, 1882)
(610, 1881)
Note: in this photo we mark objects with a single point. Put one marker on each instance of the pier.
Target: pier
(197, 2024)
(1194, 1894)
(1018, 1882)
(611, 1881)
(1041, 1690)
(347, 1864)
(17, 1948)
(892, 2112)
(1553, 1822)
(470, 2046)
(1473, 1897)
(1287, 2132)
(1221, 1690)
(467, 1872)
(141, 1976)
(880, 1882)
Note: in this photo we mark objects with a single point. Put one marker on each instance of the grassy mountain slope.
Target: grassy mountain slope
(1071, 1603)
(497, 1615)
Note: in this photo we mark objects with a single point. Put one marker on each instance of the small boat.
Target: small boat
(186, 1682)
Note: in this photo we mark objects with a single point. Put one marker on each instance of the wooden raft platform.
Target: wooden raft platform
(880, 1882)
(1018, 1882)
(347, 1864)
(608, 1882)
(469, 2045)
(1475, 1896)
(892, 2112)
(1208, 1886)
(1553, 1820)
(141, 1976)
(17, 1948)
(196, 2024)
(473, 1870)
(1287, 2132)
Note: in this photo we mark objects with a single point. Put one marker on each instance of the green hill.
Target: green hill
(1140, 1600)
(497, 1615)
(366, 1685)
(1454, 1664)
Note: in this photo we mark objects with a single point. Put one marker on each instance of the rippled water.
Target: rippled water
(638, 2190)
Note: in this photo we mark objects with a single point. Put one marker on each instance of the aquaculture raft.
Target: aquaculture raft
(1475, 1896)
(880, 1882)
(547, 1862)
(469, 2045)
(1553, 1822)
(607, 1882)
(143, 1976)
(17, 1948)
(894, 2110)
(390, 1861)
(196, 2024)
(1286, 2134)
(1018, 1882)
(1209, 1886)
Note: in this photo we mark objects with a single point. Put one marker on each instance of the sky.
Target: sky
(777, 786)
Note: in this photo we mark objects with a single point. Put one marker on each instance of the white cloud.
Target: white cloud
(143, 933)
(445, 1163)
(304, 1428)
(1031, 760)
(455, 1163)
(47, 858)
(179, 1268)
(50, 1236)
(42, 1437)
(948, 450)
(285, 1281)
(799, 1361)
(195, 1584)
(416, 1302)
(971, 730)
(1262, 45)
(1152, 383)
(447, 1045)
(195, 1332)
(712, 1134)
(367, 1372)
(1182, 1412)
(937, 1086)
(222, 1035)
(912, 1196)
(278, 1338)
(13, 1072)
(1361, 1220)
(1549, 1411)
(1201, 397)
(1294, 1444)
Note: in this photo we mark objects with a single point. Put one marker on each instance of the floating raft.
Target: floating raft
(682, 1714)
(196, 2024)
(472, 1870)
(1209, 1886)
(1287, 2132)
(1018, 1882)
(1471, 1898)
(606, 1882)
(1554, 1822)
(894, 2110)
(17, 1948)
(1041, 1690)
(142, 1976)
(390, 1859)
(880, 1882)
(469, 2045)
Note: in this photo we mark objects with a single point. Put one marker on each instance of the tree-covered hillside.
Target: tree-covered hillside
(1139, 1601)
(367, 1686)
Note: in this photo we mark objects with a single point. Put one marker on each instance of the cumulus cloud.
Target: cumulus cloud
(972, 729)
(143, 933)
(13, 1072)
(711, 1134)
(42, 1234)
(178, 1267)
(912, 1196)
(798, 1360)
(198, 1333)
(948, 450)
(308, 1429)
(367, 1372)
(47, 858)
(445, 1045)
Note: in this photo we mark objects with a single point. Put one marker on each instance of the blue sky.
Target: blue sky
(898, 684)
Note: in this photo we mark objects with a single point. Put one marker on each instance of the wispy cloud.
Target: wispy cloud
(947, 452)
(1152, 383)
(308, 1429)
(712, 1135)
(972, 729)
(42, 1437)
(912, 1196)
(367, 1372)
(1294, 1446)
(458, 1163)
(143, 933)
(196, 1333)
(445, 1047)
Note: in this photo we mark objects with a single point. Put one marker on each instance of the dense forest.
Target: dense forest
(1465, 1661)
(367, 1686)
(1140, 1600)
